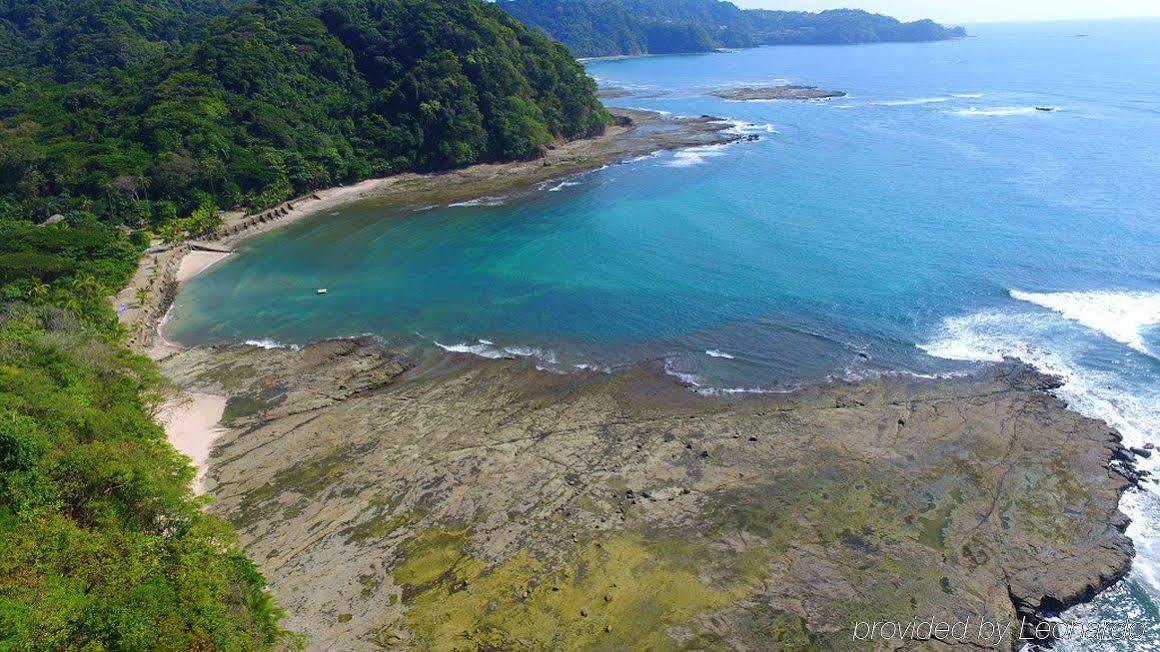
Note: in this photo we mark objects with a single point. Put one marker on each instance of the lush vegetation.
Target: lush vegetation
(103, 546)
(122, 118)
(609, 27)
(137, 111)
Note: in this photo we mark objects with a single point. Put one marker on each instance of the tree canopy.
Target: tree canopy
(136, 111)
(120, 117)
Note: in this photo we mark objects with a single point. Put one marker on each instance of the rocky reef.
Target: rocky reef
(787, 92)
(459, 503)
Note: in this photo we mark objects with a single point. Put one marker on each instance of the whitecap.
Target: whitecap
(490, 350)
(481, 350)
(714, 353)
(695, 155)
(920, 100)
(743, 128)
(270, 344)
(999, 111)
(548, 356)
(1122, 316)
(482, 201)
(643, 157)
(971, 96)
(562, 185)
(660, 112)
(733, 391)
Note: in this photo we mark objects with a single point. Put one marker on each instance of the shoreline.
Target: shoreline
(146, 300)
(351, 414)
(192, 422)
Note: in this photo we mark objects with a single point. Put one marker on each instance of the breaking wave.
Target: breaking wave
(1121, 387)
(921, 100)
(695, 155)
(482, 201)
(1122, 316)
(999, 111)
(270, 344)
(490, 350)
(562, 185)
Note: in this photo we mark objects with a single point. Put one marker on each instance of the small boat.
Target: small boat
(1045, 108)
(320, 291)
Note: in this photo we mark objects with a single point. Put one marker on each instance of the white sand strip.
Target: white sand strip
(191, 423)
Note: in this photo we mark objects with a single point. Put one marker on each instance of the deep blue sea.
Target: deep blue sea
(931, 220)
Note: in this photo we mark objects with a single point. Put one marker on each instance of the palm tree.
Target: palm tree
(39, 291)
(86, 286)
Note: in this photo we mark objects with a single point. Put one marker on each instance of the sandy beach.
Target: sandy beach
(196, 262)
(144, 303)
(191, 421)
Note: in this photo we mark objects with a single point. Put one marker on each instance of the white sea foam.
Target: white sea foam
(999, 111)
(1054, 343)
(920, 100)
(972, 96)
(690, 379)
(695, 155)
(270, 344)
(547, 356)
(481, 350)
(482, 201)
(714, 353)
(743, 128)
(1122, 316)
(488, 349)
(733, 391)
(643, 157)
(660, 112)
(562, 185)
(588, 366)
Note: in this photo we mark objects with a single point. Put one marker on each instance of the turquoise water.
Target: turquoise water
(932, 219)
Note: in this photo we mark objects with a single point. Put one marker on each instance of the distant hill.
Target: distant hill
(592, 28)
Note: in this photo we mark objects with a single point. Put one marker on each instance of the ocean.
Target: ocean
(929, 222)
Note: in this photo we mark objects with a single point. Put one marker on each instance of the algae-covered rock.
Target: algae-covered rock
(470, 504)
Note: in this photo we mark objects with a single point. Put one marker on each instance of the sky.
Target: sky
(976, 11)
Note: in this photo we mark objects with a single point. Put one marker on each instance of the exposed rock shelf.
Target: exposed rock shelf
(488, 504)
(788, 92)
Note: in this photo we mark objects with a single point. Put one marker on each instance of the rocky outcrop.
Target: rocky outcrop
(486, 504)
(789, 92)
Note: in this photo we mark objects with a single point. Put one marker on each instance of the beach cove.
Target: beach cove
(850, 244)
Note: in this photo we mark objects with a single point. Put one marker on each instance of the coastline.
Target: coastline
(356, 460)
(192, 423)
(192, 419)
(451, 186)
(144, 303)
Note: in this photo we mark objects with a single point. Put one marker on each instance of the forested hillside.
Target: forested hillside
(137, 111)
(121, 119)
(610, 27)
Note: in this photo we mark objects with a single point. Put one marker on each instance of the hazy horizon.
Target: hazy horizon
(981, 11)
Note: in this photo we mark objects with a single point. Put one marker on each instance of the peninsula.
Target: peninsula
(605, 28)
